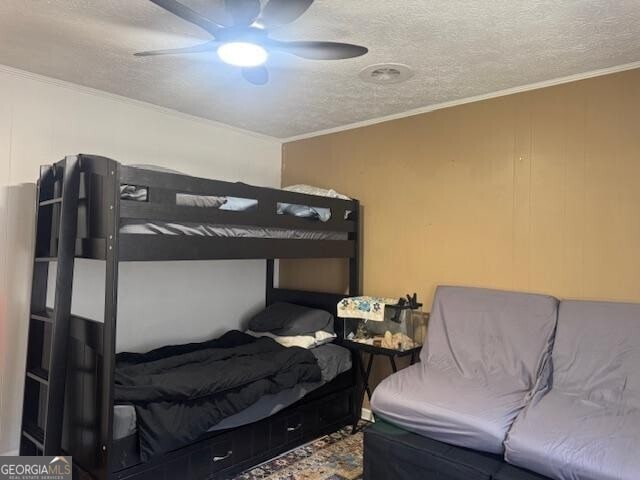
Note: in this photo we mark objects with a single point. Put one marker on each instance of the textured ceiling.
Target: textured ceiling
(458, 49)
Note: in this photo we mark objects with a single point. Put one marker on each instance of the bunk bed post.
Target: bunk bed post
(354, 261)
(111, 205)
(269, 284)
(354, 290)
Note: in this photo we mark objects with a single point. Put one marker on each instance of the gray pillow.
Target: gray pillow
(301, 211)
(287, 319)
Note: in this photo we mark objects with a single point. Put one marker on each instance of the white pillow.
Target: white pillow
(311, 190)
(304, 341)
(323, 337)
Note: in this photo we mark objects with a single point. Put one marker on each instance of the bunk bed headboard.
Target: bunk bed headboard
(320, 300)
(323, 301)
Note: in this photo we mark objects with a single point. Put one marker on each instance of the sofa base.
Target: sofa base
(391, 452)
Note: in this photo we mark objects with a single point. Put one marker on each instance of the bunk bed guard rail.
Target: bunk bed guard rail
(160, 205)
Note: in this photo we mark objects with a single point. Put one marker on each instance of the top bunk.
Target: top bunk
(140, 214)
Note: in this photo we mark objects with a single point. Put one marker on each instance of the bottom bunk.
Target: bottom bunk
(332, 359)
(216, 408)
(223, 453)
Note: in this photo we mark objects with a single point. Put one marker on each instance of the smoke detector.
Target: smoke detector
(386, 73)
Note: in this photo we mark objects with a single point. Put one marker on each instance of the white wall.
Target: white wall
(41, 120)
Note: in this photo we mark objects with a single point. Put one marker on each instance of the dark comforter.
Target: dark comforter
(181, 391)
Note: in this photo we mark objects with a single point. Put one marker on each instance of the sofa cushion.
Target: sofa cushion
(480, 332)
(484, 353)
(448, 407)
(587, 426)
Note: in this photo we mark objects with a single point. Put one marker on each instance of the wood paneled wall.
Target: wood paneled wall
(537, 191)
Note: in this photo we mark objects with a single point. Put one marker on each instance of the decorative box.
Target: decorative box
(384, 322)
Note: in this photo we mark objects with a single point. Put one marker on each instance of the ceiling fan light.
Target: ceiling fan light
(242, 54)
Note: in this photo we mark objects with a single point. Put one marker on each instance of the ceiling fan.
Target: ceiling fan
(242, 38)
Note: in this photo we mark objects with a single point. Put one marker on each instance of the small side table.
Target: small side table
(359, 348)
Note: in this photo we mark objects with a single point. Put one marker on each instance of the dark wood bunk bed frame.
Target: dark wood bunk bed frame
(79, 214)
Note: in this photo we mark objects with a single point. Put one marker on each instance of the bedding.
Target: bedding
(304, 211)
(141, 194)
(586, 426)
(234, 204)
(485, 351)
(319, 192)
(202, 201)
(228, 231)
(332, 360)
(287, 319)
(179, 392)
(311, 340)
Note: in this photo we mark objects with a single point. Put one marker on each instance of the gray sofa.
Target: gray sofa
(514, 386)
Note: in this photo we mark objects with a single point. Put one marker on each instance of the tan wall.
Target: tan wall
(538, 191)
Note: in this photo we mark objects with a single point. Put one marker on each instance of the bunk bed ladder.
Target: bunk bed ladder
(45, 377)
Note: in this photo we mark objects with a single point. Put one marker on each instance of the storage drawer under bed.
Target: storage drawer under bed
(286, 429)
(212, 458)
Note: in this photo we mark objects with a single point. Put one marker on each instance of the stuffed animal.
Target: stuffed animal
(397, 341)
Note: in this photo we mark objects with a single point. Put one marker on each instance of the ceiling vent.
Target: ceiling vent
(386, 73)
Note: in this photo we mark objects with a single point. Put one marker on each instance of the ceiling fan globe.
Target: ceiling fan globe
(242, 54)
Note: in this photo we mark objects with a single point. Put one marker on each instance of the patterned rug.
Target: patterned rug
(337, 456)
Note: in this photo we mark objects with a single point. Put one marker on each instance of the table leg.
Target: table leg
(368, 374)
(357, 357)
(393, 364)
(365, 374)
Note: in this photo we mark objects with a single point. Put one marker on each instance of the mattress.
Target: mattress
(587, 425)
(449, 408)
(228, 231)
(235, 204)
(484, 354)
(332, 359)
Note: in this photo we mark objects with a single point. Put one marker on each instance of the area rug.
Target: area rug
(337, 456)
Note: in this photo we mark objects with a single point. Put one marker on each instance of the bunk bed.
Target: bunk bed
(94, 207)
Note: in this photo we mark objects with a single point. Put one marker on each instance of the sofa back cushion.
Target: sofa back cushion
(597, 351)
(587, 425)
(488, 334)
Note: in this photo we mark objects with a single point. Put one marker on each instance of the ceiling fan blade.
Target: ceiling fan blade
(189, 15)
(319, 50)
(203, 47)
(280, 12)
(256, 75)
(243, 12)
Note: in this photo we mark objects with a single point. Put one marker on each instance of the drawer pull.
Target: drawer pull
(219, 459)
(293, 429)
